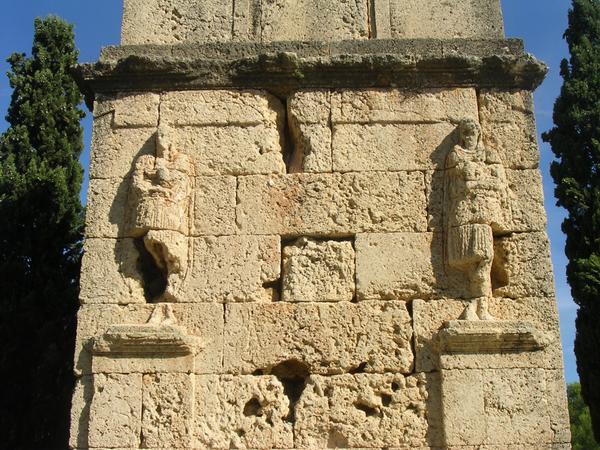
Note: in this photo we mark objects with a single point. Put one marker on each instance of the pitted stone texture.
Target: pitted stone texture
(110, 272)
(403, 106)
(214, 206)
(167, 410)
(233, 269)
(404, 266)
(362, 410)
(330, 338)
(202, 320)
(313, 20)
(242, 412)
(318, 271)
(175, 21)
(107, 213)
(80, 412)
(508, 125)
(114, 149)
(227, 132)
(523, 266)
(116, 410)
(430, 316)
(525, 197)
(498, 407)
(309, 114)
(135, 110)
(441, 19)
(331, 204)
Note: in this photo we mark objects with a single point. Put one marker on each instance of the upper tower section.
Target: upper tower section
(263, 21)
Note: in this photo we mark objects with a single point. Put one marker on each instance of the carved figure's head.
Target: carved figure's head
(469, 134)
(163, 146)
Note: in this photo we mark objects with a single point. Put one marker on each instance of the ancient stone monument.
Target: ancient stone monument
(316, 224)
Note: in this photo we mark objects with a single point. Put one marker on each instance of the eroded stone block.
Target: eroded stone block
(233, 269)
(318, 271)
(174, 21)
(106, 214)
(327, 338)
(375, 410)
(204, 321)
(313, 20)
(214, 206)
(116, 410)
(441, 19)
(167, 410)
(80, 412)
(242, 412)
(131, 110)
(331, 204)
(508, 125)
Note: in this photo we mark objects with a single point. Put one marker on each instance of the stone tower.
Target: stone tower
(316, 224)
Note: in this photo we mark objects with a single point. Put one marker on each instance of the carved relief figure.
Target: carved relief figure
(477, 208)
(162, 189)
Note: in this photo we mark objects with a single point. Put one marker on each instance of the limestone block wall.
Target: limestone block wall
(312, 284)
(178, 21)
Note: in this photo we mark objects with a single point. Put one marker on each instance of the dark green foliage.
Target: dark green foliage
(576, 143)
(40, 241)
(582, 437)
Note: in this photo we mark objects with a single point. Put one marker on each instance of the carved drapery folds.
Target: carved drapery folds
(162, 188)
(477, 208)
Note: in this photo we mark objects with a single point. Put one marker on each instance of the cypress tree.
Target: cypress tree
(40, 240)
(575, 141)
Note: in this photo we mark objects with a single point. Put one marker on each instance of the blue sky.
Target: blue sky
(541, 23)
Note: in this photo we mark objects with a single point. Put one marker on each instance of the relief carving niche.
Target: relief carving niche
(161, 197)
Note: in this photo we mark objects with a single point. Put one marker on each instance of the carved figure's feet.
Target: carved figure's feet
(477, 309)
(470, 312)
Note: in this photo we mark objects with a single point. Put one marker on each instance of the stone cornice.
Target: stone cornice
(286, 66)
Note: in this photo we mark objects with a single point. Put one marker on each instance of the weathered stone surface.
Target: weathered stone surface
(441, 19)
(309, 117)
(368, 106)
(106, 212)
(110, 272)
(318, 271)
(508, 124)
(233, 269)
(204, 321)
(80, 412)
(362, 410)
(214, 206)
(242, 412)
(174, 21)
(329, 338)
(167, 410)
(308, 20)
(114, 149)
(130, 110)
(116, 410)
(332, 204)
(523, 266)
(499, 407)
(430, 316)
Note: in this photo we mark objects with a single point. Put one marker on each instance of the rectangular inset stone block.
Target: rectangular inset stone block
(332, 204)
(413, 19)
(168, 410)
(313, 20)
(202, 320)
(131, 110)
(391, 147)
(430, 316)
(362, 410)
(328, 338)
(233, 269)
(508, 125)
(114, 150)
(242, 412)
(214, 206)
(175, 21)
(318, 271)
(116, 411)
(387, 106)
(110, 272)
